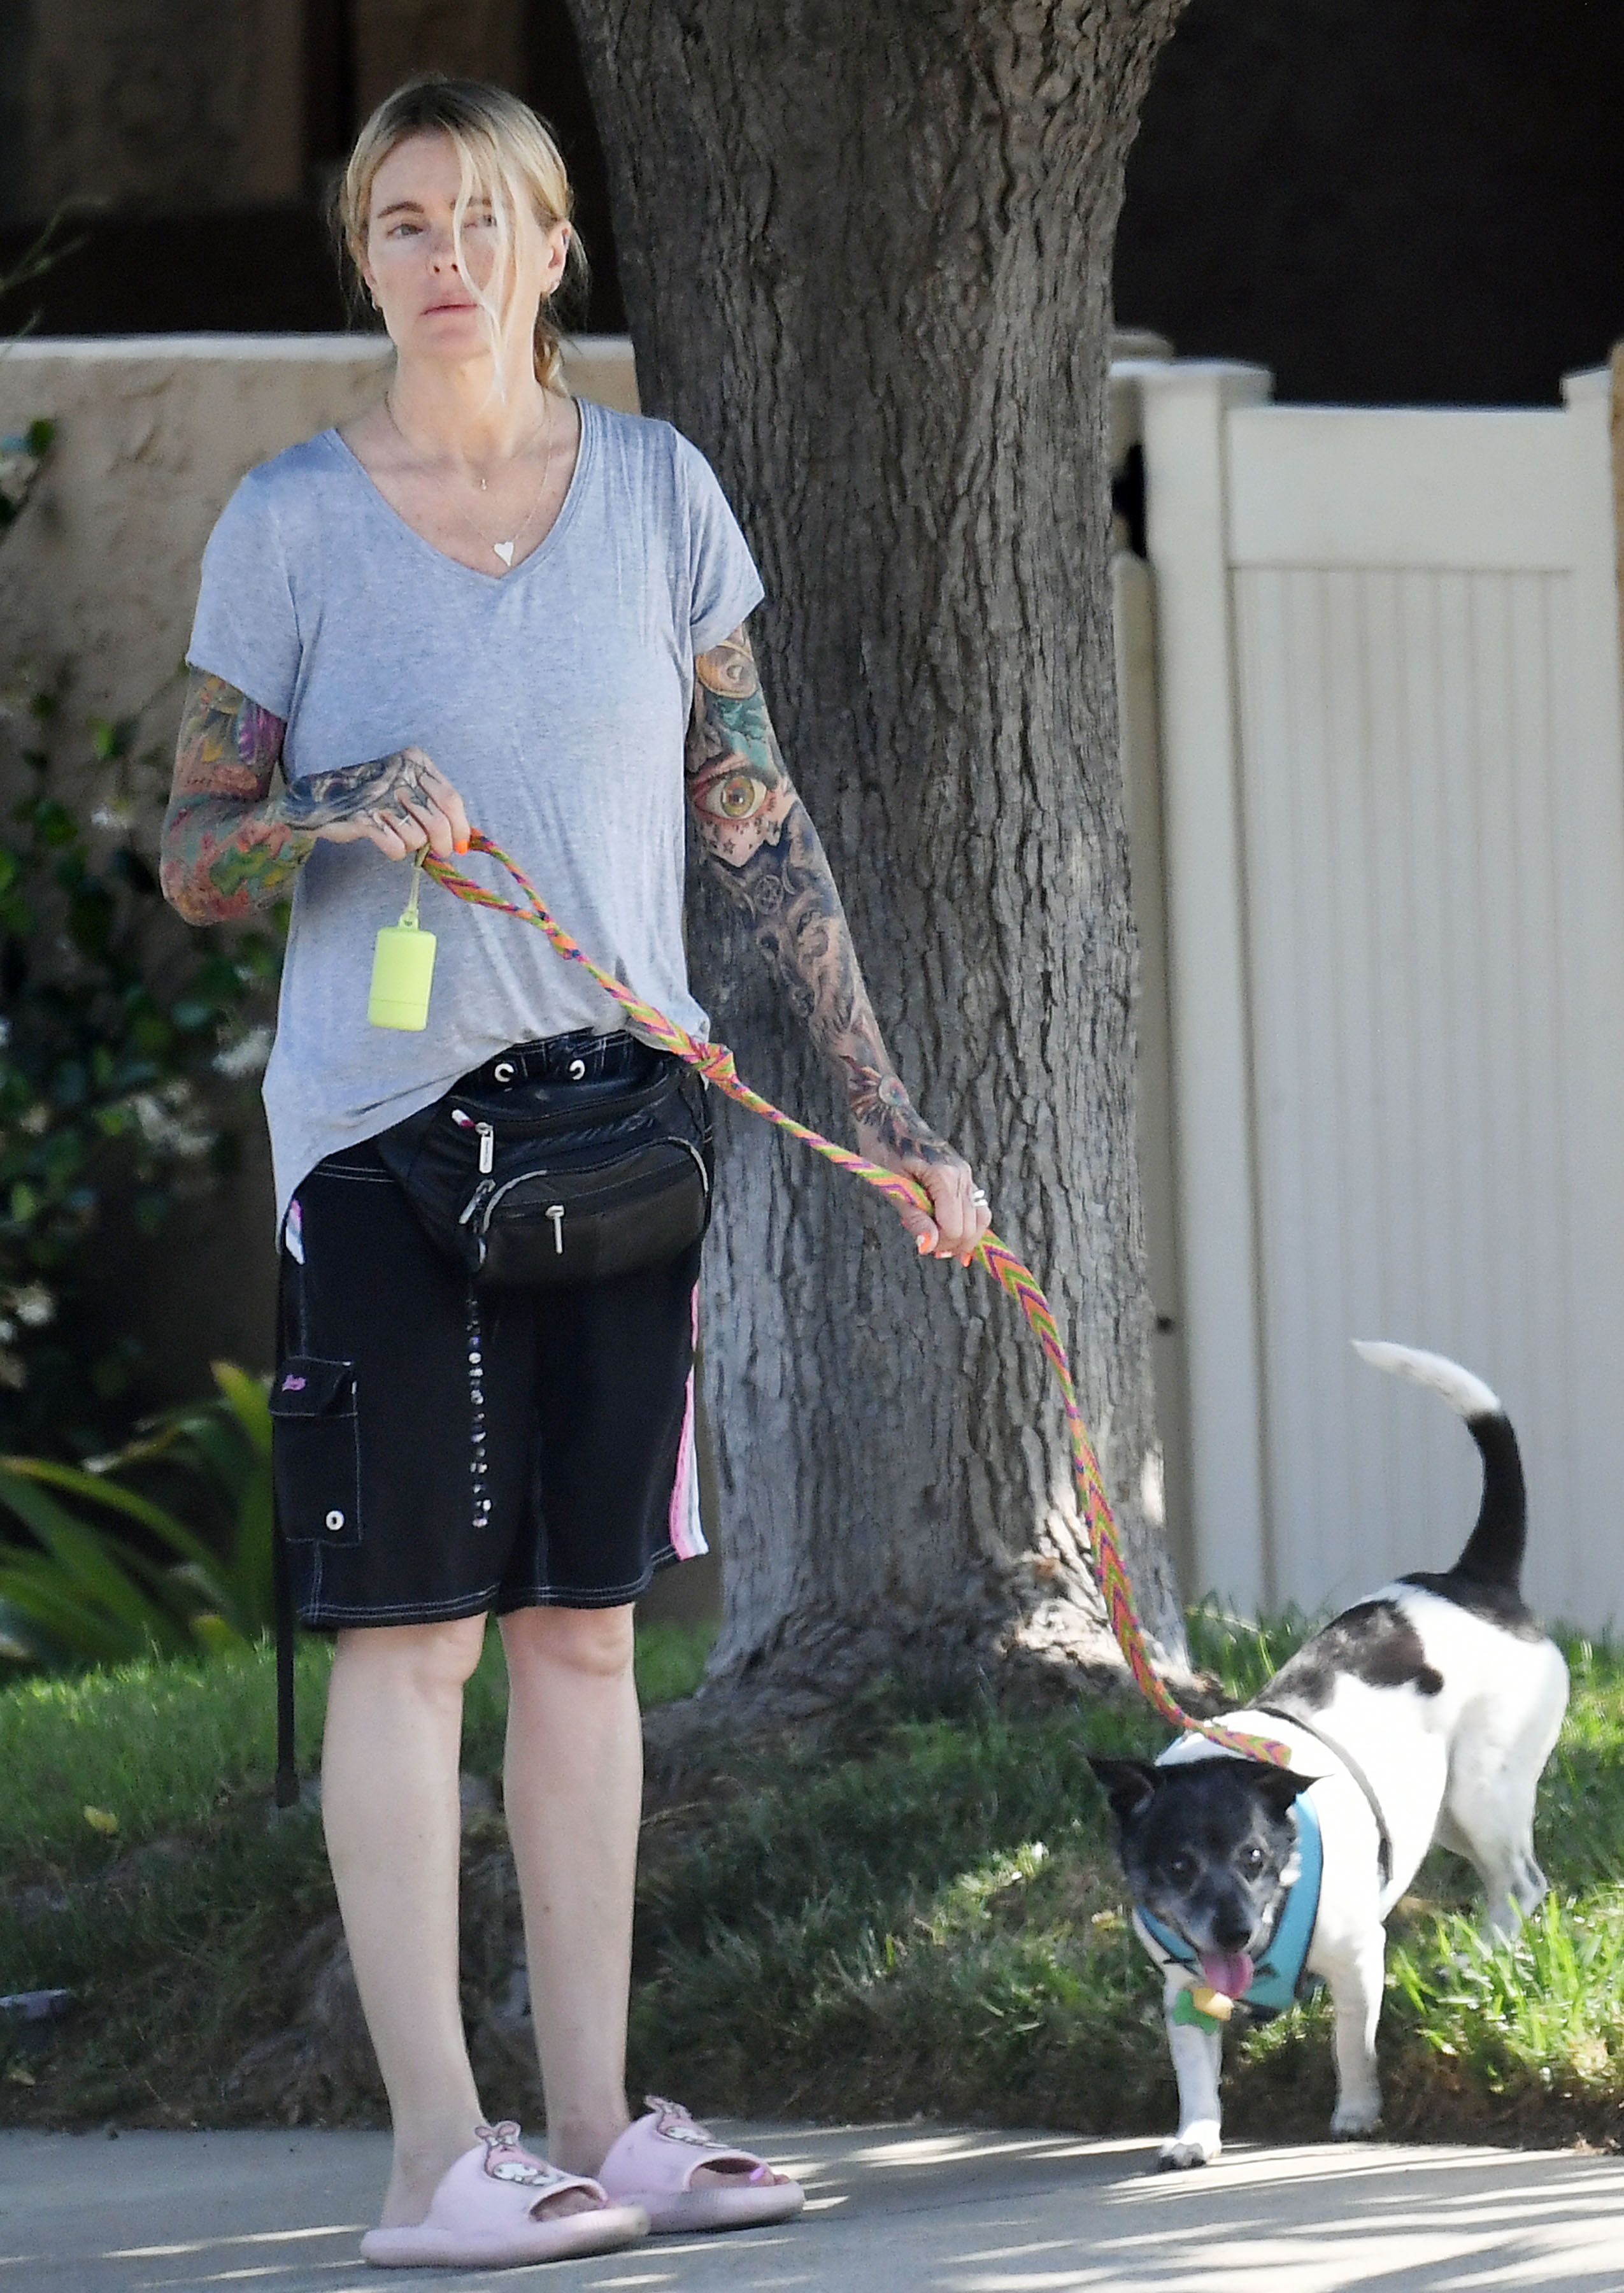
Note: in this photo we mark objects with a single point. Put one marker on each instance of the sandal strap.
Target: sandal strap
(673, 2123)
(506, 2161)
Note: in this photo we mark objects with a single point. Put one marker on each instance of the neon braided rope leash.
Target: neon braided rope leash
(714, 1062)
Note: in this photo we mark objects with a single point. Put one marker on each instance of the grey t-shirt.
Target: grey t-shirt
(555, 697)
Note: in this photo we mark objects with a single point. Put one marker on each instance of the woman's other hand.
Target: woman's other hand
(400, 803)
(892, 1132)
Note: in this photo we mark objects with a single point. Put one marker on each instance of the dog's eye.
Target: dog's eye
(1251, 1862)
(1180, 1868)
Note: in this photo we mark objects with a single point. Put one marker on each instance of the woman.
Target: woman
(530, 613)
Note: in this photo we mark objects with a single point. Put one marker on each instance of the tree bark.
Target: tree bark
(866, 249)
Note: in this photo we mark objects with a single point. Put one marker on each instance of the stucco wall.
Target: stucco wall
(98, 579)
(152, 436)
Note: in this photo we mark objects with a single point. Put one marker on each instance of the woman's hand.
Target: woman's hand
(399, 803)
(892, 1132)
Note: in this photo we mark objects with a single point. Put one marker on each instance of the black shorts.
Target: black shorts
(440, 1452)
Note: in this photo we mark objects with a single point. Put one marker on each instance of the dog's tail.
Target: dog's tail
(1493, 1553)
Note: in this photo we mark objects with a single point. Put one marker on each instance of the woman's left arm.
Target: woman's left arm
(760, 844)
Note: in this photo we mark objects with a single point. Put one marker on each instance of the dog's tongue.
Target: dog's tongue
(1228, 1971)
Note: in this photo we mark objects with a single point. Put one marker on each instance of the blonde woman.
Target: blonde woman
(484, 602)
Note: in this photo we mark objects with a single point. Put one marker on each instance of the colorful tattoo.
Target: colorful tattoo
(225, 851)
(759, 842)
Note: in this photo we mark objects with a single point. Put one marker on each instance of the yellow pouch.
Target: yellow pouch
(403, 968)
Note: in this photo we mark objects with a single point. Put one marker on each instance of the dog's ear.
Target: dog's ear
(1277, 1787)
(1129, 1785)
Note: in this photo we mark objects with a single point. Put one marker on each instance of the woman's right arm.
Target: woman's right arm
(225, 851)
(227, 845)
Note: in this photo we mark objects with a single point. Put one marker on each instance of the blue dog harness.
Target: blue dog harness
(1277, 1978)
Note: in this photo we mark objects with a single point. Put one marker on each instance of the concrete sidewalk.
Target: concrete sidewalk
(889, 2208)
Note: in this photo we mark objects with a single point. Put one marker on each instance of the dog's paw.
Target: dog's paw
(1198, 2146)
(1355, 2116)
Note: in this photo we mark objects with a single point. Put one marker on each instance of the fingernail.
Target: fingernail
(459, 844)
(925, 1242)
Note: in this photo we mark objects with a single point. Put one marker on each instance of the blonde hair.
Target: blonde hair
(505, 154)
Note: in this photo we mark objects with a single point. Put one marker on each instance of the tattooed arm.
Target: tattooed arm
(760, 844)
(231, 845)
(224, 851)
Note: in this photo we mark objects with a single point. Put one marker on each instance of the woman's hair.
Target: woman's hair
(505, 154)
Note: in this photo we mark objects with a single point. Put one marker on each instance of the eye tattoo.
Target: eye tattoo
(734, 797)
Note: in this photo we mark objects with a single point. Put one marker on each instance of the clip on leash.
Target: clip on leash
(714, 1062)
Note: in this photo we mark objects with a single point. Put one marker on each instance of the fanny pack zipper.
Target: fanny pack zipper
(482, 1201)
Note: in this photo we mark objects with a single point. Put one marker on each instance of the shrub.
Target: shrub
(99, 1591)
(125, 1052)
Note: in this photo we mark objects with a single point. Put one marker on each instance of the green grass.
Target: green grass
(163, 1746)
(896, 1911)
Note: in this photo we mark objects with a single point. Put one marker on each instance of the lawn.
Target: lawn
(900, 1909)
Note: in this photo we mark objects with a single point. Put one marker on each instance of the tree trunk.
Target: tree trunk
(866, 248)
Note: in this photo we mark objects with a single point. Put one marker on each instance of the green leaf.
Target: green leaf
(85, 1557)
(249, 1399)
(74, 1631)
(216, 1636)
(100, 1490)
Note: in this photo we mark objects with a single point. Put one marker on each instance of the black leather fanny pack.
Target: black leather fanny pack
(535, 1171)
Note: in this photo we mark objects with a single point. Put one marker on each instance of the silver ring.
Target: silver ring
(978, 1198)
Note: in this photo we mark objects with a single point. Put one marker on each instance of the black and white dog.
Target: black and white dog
(1425, 1714)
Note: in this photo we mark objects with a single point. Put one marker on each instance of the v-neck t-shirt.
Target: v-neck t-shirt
(556, 699)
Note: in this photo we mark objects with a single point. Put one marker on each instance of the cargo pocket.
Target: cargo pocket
(316, 1452)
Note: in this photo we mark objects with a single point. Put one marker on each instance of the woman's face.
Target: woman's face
(410, 265)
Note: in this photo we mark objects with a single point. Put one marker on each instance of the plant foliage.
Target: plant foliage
(116, 1575)
(124, 1049)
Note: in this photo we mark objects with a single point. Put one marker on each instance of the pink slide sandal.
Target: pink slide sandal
(484, 2215)
(654, 2162)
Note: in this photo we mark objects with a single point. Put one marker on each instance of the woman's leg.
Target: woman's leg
(572, 1789)
(389, 1809)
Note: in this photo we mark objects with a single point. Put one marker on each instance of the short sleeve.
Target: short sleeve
(723, 584)
(246, 629)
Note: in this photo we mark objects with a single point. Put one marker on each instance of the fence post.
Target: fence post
(1184, 410)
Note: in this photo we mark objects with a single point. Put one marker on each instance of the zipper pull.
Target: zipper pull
(476, 1203)
(488, 1139)
(556, 1212)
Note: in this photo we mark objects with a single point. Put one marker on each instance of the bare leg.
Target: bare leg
(573, 1792)
(389, 1805)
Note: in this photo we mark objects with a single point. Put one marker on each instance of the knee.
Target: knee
(430, 1663)
(596, 1643)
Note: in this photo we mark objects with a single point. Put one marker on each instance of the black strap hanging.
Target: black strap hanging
(287, 1623)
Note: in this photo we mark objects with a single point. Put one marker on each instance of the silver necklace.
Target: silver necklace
(501, 550)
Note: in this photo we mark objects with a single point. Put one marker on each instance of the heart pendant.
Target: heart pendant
(504, 551)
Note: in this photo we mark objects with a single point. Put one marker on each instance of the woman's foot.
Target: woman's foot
(497, 2206)
(684, 2179)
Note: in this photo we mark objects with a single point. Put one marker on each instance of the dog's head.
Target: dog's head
(1208, 1847)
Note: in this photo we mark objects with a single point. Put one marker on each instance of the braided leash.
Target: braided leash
(714, 1062)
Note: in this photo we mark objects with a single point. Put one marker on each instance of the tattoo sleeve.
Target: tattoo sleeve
(225, 851)
(758, 841)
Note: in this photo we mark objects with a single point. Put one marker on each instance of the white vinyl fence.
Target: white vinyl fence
(1391, 815)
